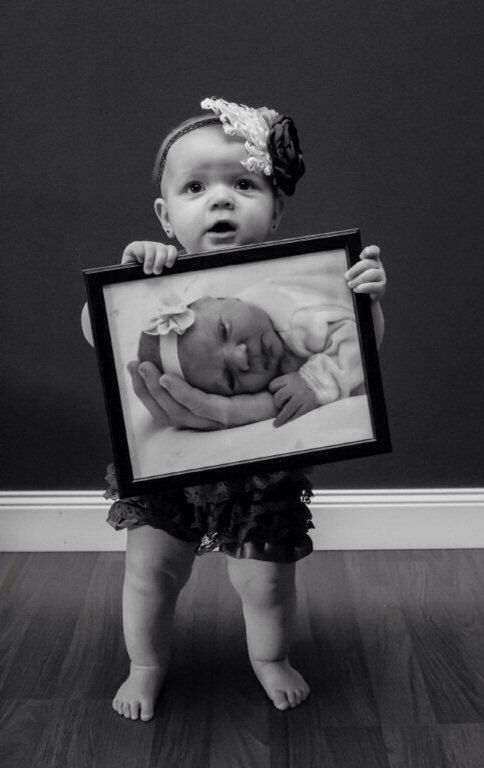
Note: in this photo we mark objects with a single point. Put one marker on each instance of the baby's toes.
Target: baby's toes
(117, 706)
(299, 696)
(126, 709)
(280, 700)
(293, 698)
(147, 710)
(135, 707)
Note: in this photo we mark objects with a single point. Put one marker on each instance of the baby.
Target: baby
(295, 336)
(220, 181)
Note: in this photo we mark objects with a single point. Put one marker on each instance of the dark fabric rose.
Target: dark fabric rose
(285, 153)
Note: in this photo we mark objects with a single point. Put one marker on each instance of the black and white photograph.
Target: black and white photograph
(241, 477)
(249, 329)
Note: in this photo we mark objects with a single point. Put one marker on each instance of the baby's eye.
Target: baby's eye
(194, 187)
(244, 184)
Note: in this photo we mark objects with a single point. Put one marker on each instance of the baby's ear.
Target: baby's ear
(161, 212)
(279, 205)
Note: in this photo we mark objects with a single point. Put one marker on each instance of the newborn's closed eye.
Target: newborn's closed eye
(223, 330)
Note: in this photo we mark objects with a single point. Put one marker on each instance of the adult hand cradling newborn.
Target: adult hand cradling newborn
(176, 403)
(186, 407)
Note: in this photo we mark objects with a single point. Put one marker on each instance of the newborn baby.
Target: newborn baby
(303, 349)
(224, 346)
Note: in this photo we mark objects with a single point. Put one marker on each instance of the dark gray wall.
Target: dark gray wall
(387, 97)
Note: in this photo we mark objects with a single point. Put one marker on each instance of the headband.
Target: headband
(201, 122)
(271, 140)
(171, 319)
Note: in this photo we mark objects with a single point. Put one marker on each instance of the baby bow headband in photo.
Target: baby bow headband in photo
(271, 140)
(170, 320)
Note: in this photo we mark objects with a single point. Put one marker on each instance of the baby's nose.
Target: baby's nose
(236, 356)
(222, 198)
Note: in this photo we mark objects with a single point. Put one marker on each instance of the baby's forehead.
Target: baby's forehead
(208, 306)
(208, 146)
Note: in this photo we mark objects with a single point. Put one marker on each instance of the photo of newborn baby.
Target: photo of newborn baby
(277, 341)
(302, 324)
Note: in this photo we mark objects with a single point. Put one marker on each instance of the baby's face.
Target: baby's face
(231, 348)
(209, 199)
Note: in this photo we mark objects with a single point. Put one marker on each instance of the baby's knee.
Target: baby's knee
(259, 587)
(164, 573)
(147, 565)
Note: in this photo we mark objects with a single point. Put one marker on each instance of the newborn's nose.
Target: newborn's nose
(236, 357)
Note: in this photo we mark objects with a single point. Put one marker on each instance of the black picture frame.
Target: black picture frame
(109, 287)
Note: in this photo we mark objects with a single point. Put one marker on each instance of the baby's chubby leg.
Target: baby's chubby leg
(268, 594)
(157, 567)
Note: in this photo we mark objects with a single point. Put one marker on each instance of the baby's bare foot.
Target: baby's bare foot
(137, 695)
(284, 686)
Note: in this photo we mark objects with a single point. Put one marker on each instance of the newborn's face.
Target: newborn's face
(231, 348)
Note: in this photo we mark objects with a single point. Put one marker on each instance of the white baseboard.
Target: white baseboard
(446, 518)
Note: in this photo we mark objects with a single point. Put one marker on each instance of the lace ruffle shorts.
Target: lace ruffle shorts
(263, 517)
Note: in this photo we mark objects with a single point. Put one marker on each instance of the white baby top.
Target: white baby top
(313, 313)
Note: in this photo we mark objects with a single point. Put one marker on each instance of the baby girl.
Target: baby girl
(220, 181)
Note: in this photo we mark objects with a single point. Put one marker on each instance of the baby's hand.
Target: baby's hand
(153, 256)
(292, 397)
(368, 275)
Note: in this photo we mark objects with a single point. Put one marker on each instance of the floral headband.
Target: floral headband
(171, 319)
(271, 140)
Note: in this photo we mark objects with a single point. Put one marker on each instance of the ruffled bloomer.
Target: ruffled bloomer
(262, 517)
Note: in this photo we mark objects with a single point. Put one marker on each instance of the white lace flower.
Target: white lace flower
(250, 124)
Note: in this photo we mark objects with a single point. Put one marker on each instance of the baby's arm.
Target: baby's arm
(153, 256)
(86, 325)
(292, 397)
(368, 276)
(325, 377)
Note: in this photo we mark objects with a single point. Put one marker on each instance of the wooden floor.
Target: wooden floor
(392, 644)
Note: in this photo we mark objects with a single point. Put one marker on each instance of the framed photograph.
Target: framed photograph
(266, 322)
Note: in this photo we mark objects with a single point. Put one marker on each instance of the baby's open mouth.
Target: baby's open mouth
(222, 226)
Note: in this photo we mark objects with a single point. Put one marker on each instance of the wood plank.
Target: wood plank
(439, 746)
(95, 660)
(397, 679)
(333, 656)
(327, 748)
(84, 733)
(22, 725)
(42, 607)
(445, 619)
(391, 643)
